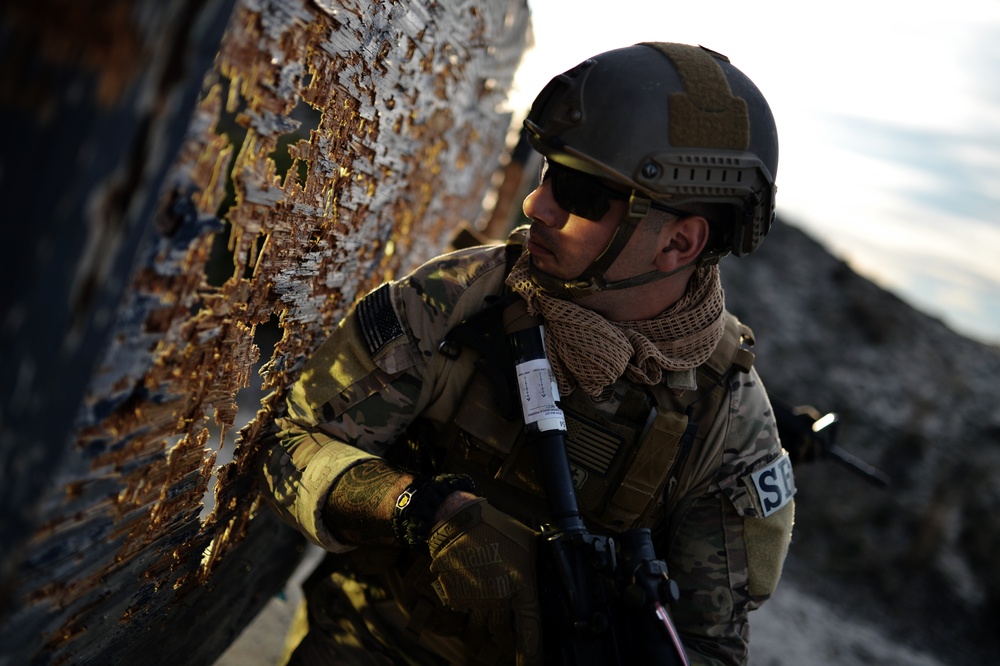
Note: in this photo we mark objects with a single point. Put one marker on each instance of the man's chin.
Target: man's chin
(539, 263)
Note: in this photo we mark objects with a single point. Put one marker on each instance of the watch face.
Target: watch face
(403, 500)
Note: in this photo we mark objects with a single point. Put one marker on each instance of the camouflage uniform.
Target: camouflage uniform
(721, 517)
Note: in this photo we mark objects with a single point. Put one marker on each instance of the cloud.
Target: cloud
(962, 168)
(889, 126)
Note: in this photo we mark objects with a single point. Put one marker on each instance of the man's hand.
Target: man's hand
(485, 563)
(795, 427)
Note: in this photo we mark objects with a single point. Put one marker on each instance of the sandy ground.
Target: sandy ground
(793, 629)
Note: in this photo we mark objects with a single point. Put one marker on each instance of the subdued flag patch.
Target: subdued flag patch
(379, 322)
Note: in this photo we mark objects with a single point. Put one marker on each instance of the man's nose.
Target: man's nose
(541, 205)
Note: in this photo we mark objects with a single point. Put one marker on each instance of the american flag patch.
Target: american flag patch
(378, 320)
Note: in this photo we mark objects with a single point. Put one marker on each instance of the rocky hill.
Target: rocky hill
(919, 559)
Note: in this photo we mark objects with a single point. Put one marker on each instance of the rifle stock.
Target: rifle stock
(602, 602)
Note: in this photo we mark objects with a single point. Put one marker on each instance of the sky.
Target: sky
(888, 117)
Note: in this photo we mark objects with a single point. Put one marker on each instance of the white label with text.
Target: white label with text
(539, 392)
(775, 485)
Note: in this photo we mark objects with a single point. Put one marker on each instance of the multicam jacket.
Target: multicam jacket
(720, 504)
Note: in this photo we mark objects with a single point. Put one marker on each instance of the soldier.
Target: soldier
(402, 451)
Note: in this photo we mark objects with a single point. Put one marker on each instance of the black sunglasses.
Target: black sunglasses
(579, 193)
(584, 195)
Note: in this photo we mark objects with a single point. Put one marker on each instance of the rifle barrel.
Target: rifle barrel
(859, 466)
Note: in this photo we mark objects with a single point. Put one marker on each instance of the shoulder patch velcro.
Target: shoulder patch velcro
(775, 485)
(379, 323)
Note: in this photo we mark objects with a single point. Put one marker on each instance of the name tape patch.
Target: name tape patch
(775, 485)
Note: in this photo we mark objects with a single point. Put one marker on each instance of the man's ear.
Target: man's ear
(681, 242)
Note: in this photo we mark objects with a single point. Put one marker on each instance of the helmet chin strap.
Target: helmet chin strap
(592, 279)
(570, 289)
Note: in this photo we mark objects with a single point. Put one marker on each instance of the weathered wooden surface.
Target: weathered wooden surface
(95, 99)
(334, 144)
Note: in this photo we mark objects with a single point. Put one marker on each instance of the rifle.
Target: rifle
(602, 602)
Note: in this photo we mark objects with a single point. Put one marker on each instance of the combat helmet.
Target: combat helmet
(676, 124)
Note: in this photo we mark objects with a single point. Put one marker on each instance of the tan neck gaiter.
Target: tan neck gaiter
(588, 351)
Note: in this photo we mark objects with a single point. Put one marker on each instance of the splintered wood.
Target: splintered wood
(336, 145)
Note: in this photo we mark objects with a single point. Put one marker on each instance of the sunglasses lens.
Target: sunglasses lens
(577, 193)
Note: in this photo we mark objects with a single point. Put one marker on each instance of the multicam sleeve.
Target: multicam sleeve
(343, 410)
(367, 382)
(728, 551)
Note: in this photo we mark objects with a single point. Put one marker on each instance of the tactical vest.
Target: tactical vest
(626, 448)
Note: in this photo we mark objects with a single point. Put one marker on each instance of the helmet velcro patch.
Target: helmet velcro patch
(707, 115)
